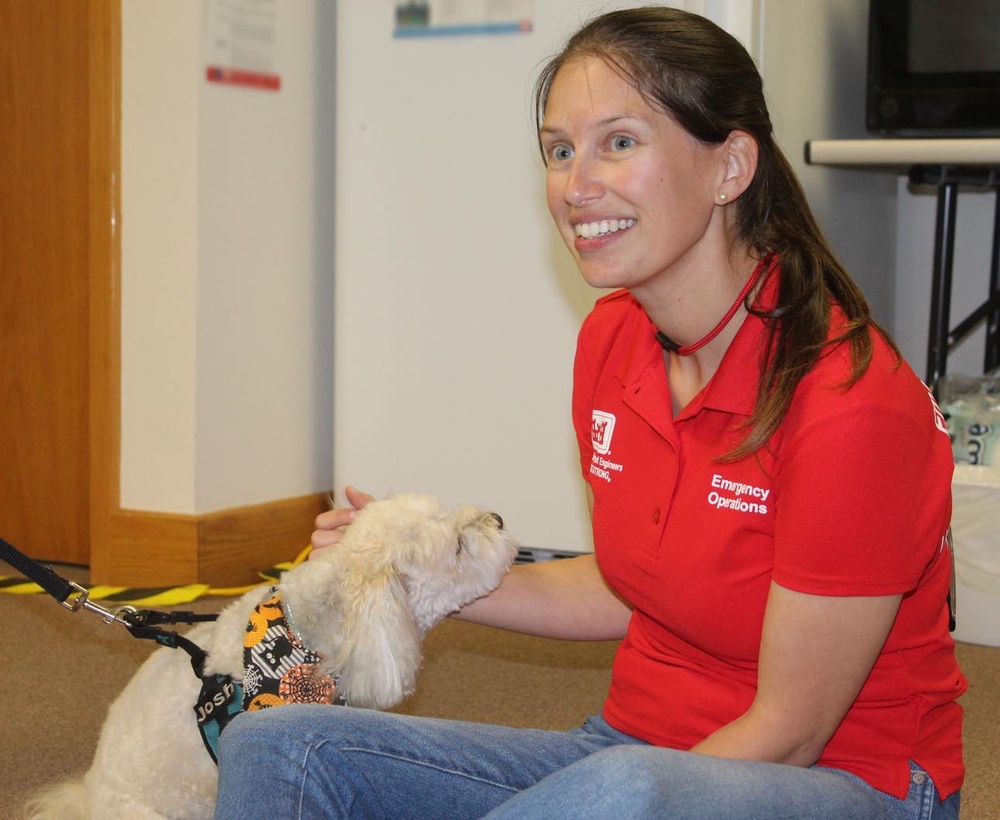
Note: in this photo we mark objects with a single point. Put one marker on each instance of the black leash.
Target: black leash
(58, 587)
(140, 623)
(220, 698)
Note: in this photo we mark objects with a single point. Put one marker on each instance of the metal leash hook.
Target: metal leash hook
(139, 623)
(69, 594)
(82, 601)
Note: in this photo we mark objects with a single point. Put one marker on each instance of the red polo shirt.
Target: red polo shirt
(851, 497)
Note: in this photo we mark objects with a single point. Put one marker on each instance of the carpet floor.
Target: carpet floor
(61, 670)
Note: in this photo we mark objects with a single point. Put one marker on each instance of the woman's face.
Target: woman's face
(632, 193)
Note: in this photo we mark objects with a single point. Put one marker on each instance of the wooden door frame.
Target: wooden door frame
(104, 265)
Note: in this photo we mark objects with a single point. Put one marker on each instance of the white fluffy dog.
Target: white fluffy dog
(363, 605)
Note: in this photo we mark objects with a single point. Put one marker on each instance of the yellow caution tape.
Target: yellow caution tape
(164, 596)
(157, 596)
(18, 586)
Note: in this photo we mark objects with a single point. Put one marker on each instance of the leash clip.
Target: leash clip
(82, 601)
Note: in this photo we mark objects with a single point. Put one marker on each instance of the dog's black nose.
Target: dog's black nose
(498, 519)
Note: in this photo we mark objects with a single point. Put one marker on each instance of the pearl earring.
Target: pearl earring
(722, 197)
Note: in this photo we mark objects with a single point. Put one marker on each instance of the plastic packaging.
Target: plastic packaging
(972, 407)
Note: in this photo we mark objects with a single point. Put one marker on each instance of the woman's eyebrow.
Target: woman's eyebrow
(613, 119)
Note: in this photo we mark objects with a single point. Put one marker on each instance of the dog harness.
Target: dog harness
(277, 669)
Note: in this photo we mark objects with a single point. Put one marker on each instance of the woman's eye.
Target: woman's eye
(621, 143)
(560, 152)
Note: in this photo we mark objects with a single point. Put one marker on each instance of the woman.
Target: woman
(770, 492)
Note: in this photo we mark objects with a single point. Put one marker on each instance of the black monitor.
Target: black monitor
(934, 67)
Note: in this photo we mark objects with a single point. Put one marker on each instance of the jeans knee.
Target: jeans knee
(270, 733)
(240, 731)
(618, 761)
(248, 725)
(641, 767)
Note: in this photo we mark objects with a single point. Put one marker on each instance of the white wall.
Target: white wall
(813, 59)
(457, 306)
(266, 184)
(227, 259)
(159, 239)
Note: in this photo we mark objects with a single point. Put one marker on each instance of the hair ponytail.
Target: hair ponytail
(706, 81)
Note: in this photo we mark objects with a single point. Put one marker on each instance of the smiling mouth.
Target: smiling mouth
(588, 230)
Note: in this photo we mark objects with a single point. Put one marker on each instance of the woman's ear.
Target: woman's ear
(740, 156)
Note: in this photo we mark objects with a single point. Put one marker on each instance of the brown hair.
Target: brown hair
(706, 81)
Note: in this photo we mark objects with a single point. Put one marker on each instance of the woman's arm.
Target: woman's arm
(816, 653)
(565, 598)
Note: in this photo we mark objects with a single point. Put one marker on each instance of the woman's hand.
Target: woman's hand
(331, 525)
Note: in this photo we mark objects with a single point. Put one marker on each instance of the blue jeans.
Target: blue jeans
(322, 762)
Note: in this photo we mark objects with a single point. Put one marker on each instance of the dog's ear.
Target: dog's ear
(379, 653)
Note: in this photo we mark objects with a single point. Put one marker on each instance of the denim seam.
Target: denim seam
(434, 766)
(927, 797)
(305, 774)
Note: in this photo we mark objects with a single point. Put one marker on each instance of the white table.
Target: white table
(946, 164)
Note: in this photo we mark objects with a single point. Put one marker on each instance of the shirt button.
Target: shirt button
(919, 778)
(656, 515)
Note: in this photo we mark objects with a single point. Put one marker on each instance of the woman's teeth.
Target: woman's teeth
(586, 230)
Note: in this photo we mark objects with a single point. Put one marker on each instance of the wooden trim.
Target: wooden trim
(146, 549)
(104, 279)
(222, 549)
(234, 545)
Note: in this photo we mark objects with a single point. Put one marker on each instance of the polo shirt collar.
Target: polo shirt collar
(733, 388)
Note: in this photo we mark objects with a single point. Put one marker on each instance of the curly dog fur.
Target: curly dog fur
(403, 565)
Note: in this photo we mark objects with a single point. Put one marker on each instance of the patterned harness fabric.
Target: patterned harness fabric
(277, 669)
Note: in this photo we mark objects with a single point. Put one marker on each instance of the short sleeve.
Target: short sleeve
(863, 497)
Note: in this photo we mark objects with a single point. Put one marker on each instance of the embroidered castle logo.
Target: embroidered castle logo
(602, 427)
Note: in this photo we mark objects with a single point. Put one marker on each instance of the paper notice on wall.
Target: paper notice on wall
(241, 43)
(421, 18)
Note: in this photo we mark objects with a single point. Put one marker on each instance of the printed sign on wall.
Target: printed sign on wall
(241, 41)
(428, 18)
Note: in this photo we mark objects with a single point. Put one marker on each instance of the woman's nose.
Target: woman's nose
(583, 183)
